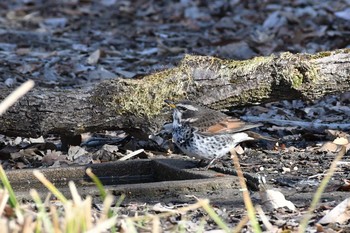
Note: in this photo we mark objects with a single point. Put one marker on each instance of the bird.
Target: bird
(208, 134)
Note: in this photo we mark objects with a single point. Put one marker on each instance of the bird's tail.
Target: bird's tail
(257, 136)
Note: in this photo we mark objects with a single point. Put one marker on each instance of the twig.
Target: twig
(303, 124)
(241, 224)
(264, 219)
(132, 154)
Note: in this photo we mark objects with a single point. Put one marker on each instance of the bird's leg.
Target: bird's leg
(204, 165)
(211, 162)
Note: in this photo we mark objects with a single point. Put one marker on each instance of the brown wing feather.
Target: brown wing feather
(229, 125)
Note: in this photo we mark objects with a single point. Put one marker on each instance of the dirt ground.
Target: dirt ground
(74, 44)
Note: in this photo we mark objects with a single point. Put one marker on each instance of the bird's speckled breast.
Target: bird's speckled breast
(182, 134)
(201, 146)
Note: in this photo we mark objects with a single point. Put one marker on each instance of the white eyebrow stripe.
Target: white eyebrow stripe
(190, 120)
(189, 107)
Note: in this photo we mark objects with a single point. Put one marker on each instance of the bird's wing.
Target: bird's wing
(228, 125)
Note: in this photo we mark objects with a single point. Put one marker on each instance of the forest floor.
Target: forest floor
(74, 44)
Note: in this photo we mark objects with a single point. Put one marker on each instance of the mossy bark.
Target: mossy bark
(138, 104)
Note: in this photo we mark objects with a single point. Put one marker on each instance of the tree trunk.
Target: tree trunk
(138, 103)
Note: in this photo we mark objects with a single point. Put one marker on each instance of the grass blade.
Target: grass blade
(246, 197)
(97, 182)
(50, 186)
(7, 185)
(205, 205)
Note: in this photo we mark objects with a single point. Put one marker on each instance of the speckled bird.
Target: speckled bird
(207, 134)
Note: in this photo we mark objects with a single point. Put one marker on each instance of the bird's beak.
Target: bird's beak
(170, 103)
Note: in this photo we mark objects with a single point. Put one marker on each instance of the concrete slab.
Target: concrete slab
(144, 180)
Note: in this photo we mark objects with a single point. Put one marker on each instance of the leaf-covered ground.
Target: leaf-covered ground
(69, 44)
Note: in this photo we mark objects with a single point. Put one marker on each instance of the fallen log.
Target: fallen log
(138, 103)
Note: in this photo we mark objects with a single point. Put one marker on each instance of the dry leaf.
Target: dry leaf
(341, 141)
(75, 152)
(161, 208)
(239, 150)
(339, 214)
(37, 140)
(273, 199)
(329, 147)
(94, 57)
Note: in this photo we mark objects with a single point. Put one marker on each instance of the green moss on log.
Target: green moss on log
(297, 70)
(146, 97)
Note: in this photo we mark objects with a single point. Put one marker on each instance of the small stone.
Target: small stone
(285, 169)
(17, 141)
